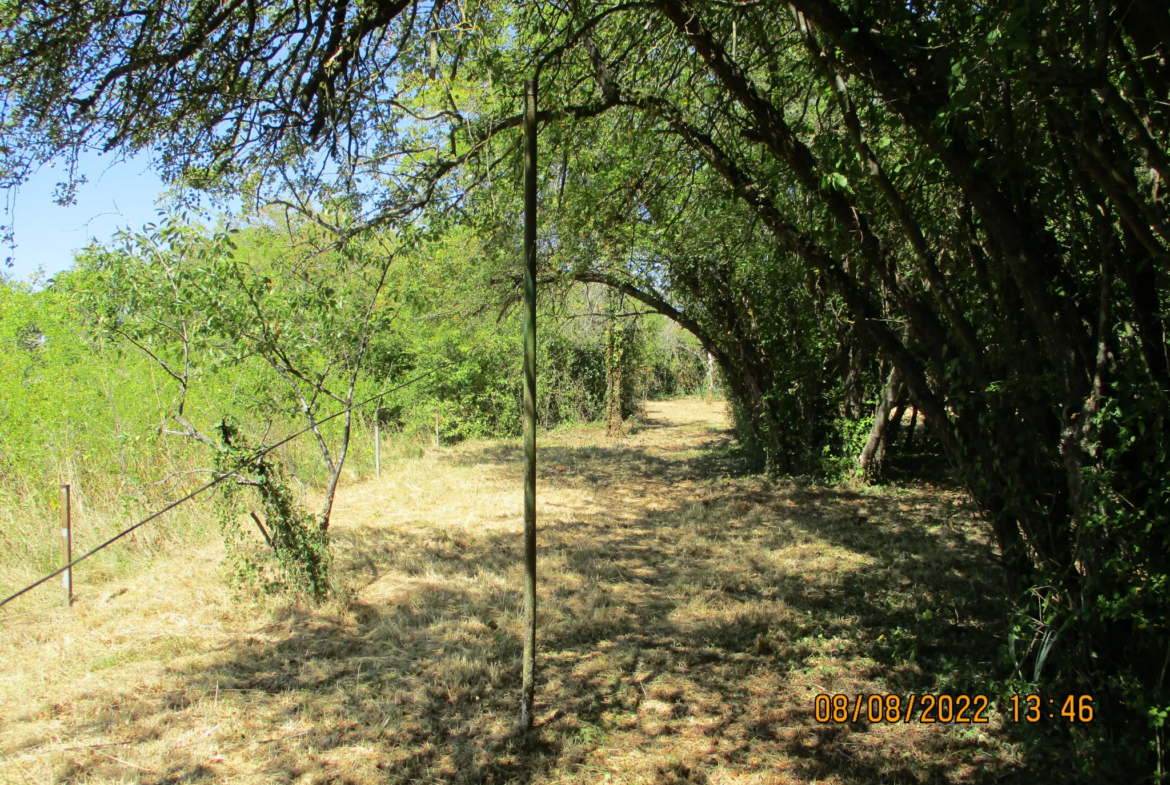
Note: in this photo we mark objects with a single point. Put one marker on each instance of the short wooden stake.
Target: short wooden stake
(263, 531)
(66, 545)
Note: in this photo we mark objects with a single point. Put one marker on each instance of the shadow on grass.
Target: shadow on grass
(686, 623)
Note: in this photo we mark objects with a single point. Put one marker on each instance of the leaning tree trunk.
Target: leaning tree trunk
(614, 349)
(891, 430)
(869, 464)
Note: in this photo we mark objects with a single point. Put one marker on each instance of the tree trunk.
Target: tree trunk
(614, 424)
(869, 463)
(614, 351)
(890, 433)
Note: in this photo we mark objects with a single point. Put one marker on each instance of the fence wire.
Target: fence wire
(220, 478)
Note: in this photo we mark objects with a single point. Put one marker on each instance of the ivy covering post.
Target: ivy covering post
(528, 688)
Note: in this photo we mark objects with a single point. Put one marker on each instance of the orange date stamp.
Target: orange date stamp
(890, 709)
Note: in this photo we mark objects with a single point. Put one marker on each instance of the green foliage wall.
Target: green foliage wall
(75, 409)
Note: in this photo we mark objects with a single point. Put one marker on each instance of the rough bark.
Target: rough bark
(869, 463)
(614, 362)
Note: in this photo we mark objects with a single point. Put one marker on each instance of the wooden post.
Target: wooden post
(377, 447)
(528, 685)
(263, 531)
(66, 545)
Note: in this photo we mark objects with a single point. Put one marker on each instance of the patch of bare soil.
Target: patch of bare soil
(689, 613)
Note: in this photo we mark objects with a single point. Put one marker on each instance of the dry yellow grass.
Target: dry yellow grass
(688, 615)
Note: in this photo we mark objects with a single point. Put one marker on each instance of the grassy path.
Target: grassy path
(689, 614)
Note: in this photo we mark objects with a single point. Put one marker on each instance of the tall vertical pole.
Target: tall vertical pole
(66, 545)
(528, 688)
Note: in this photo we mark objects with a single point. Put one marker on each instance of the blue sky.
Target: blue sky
(117, 196)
